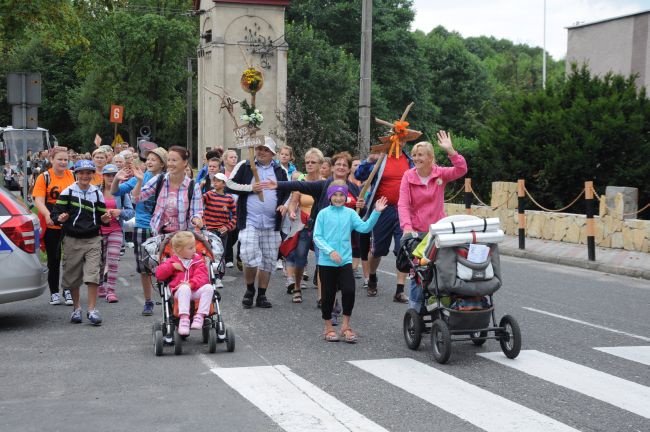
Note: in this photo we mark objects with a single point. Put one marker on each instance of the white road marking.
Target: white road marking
(292, 402)
(387, 272)
(643, 338)
(616, 391)
(486, 410)
(639, 354)
(207, 361)
(124, 281)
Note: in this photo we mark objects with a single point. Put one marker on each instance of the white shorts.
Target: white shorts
(259, 248)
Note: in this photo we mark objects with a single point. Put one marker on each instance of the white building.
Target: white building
(620, 45)
(232, 33)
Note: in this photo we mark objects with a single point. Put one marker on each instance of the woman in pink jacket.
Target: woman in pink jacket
(189, 281)
(422, 193)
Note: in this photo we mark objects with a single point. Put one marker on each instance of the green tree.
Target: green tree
(582, 128)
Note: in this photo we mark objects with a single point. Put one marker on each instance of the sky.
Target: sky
(521, 21)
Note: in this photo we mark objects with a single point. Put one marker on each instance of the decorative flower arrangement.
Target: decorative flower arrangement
(252, 80)
(253, 116)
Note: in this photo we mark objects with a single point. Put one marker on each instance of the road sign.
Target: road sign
(117, 112)
(30, 121)
(32, 95)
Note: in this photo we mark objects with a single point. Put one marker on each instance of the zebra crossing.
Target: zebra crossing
(295, 404)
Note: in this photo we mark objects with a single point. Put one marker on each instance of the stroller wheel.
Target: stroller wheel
(440, 341)
(413, 326)
(158, 342)
(510, 337)
(212, 340)
(230, 340)
(206, 334)
(155, 327)
(476, 338)
(178, 343)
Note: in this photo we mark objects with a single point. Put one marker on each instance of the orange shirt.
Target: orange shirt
(53, 190)
(97, 180)
(391, 178)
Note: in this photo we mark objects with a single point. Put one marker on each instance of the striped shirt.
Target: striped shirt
(219, 210)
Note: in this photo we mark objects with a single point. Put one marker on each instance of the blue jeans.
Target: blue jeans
(415, 295)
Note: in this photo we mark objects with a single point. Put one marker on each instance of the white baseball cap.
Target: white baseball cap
(220, 176)
(269, 144)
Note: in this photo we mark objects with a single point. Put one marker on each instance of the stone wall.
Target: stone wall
(612, 230)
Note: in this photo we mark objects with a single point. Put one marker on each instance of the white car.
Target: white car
(23, 276)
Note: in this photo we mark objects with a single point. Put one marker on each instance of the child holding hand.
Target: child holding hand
(334, 224)
(189, 281)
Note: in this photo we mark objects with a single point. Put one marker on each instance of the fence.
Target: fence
(609, 228)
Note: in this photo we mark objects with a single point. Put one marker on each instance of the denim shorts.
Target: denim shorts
(298, 256)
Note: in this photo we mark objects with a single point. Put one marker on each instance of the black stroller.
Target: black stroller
(214, 331)
(457, 301)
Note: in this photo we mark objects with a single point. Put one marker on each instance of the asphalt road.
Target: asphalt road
(282, 376)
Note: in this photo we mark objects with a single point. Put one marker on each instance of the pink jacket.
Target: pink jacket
(196, 275)
(420, 205)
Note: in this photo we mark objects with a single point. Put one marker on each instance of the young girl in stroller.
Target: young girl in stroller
(189, 280)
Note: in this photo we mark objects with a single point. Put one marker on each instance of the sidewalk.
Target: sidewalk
(615, 261)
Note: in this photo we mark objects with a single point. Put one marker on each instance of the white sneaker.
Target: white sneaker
(68, 297)
(279, 265)
(130, 245)
(229, 264)
(218, 283)
(55, 299)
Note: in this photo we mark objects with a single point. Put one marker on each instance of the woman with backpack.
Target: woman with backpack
(120, 210)
(49, 184)
(179, 202)
(156, 164)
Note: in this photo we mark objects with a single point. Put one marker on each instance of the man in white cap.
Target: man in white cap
(258, 221)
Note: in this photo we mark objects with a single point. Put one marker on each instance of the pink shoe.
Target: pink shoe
(197, 324)
(101, 291)
(184, 325)
(110, 296)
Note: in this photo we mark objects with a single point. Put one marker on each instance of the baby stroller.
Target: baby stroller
(457, 295)
(214, 331)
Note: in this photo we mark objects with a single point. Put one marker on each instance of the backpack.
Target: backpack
(190, 194)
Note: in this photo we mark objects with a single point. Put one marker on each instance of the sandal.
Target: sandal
(331, 336)
(349, 336)
(290, 288)
(297, 296)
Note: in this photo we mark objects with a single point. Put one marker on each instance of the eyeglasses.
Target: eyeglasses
(311, 162)
(343, 165)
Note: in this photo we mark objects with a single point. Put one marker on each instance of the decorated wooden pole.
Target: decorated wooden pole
(521, 195)
(391, 144)
(591, 228)
(468, 196)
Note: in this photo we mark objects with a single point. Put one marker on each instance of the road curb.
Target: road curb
(575, 262)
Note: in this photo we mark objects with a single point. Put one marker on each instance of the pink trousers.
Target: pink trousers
(184, 294)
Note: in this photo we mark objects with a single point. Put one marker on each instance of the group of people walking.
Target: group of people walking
(284, 215)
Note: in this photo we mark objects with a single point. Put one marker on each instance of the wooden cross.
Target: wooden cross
(392, 144)
(245, 136)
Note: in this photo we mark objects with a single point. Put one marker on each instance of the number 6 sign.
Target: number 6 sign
(117, 111)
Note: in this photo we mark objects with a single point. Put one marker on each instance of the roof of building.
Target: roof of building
(647, 11)
(197, 3)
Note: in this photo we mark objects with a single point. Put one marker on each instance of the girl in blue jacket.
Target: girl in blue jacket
(334, 225)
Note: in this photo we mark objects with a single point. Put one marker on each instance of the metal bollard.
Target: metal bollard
(591, 227)
(468, 196)
(521, 195)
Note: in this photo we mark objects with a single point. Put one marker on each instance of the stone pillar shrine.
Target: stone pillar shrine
(232, 33)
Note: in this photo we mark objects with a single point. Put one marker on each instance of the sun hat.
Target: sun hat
(84, 165)
(160, 152)
(110, 169)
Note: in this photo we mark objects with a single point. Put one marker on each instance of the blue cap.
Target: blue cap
(110, 169)
(84, 165)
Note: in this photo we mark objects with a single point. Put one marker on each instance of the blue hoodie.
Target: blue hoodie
(332, 233)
